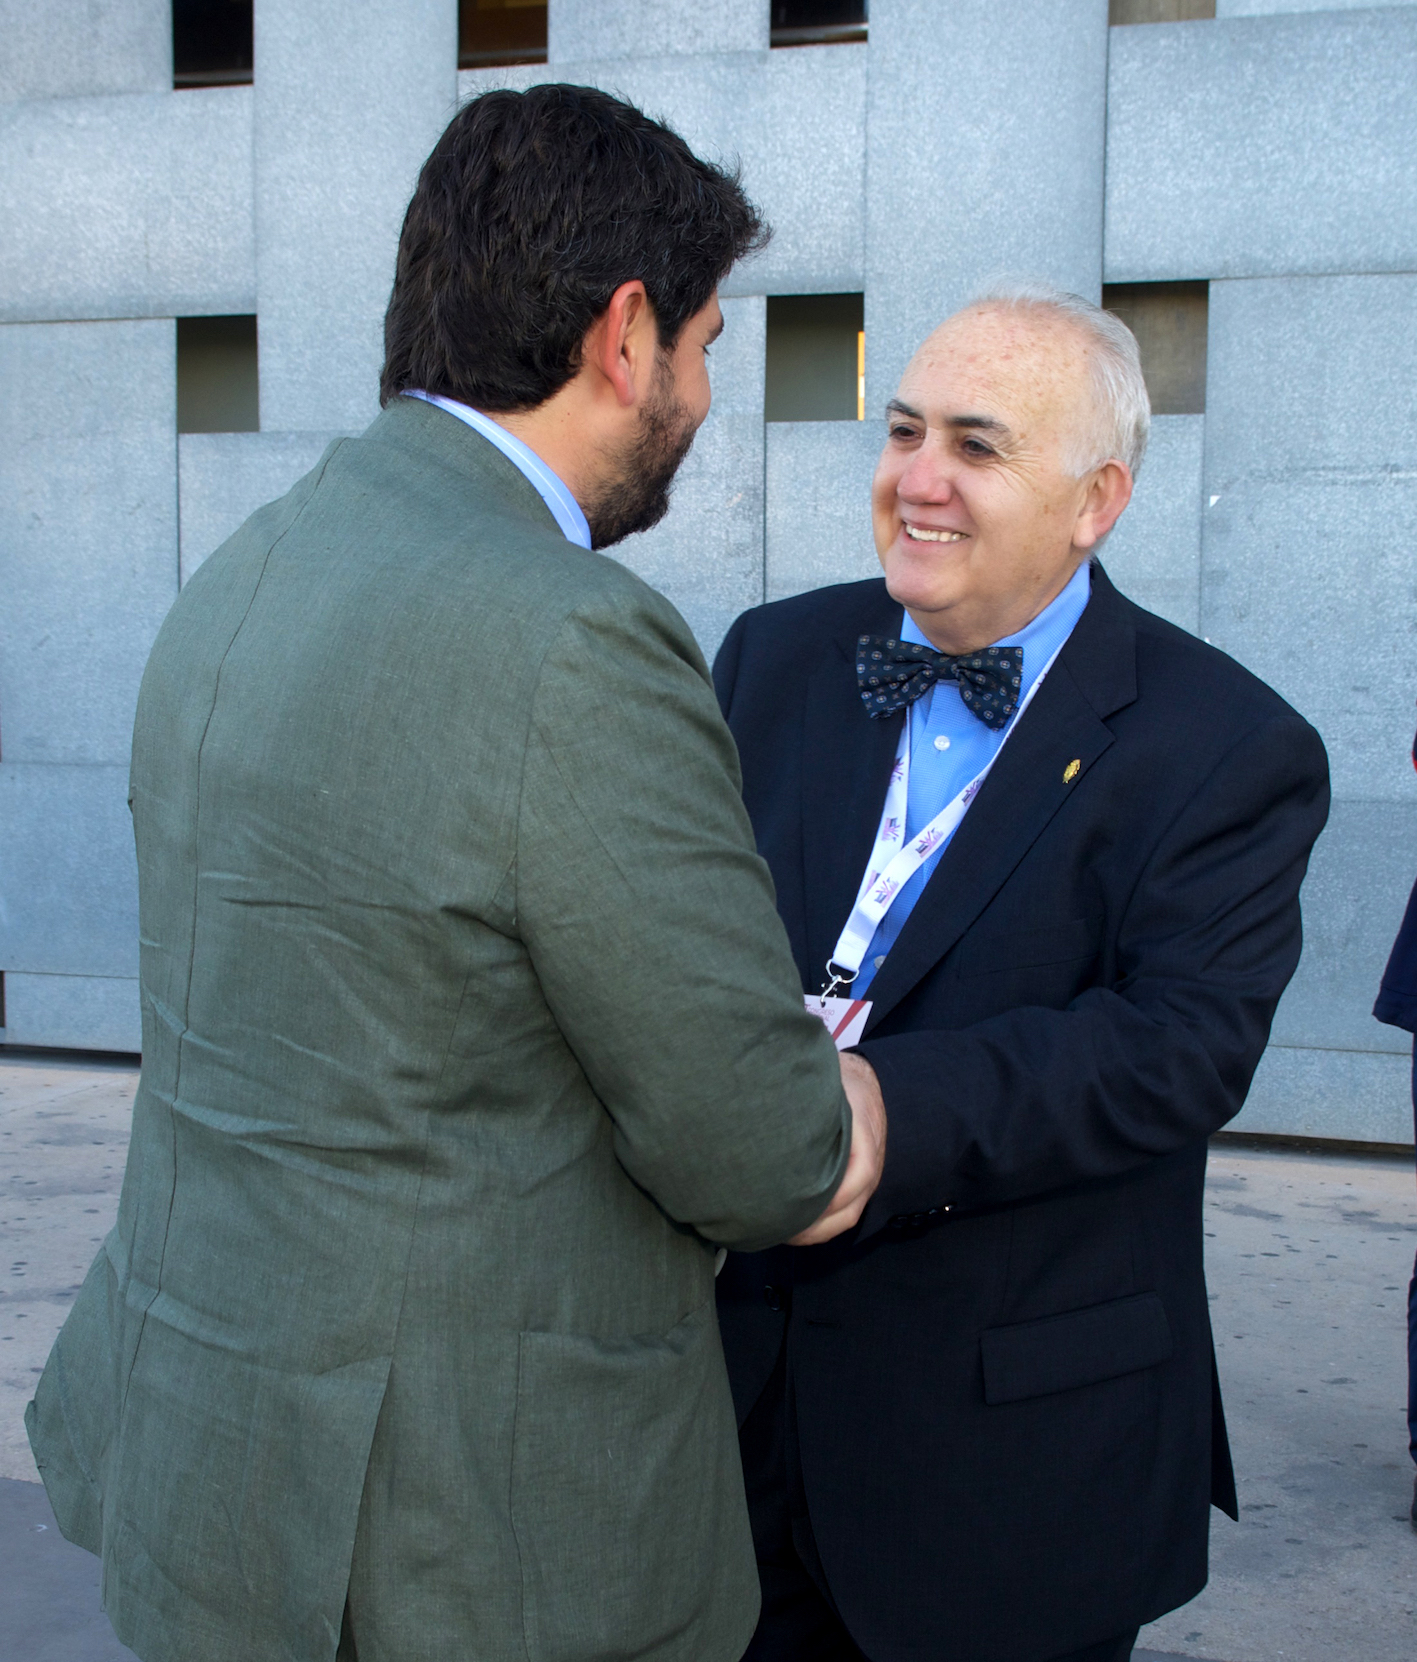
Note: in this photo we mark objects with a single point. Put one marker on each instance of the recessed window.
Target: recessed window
(211, 43)
(492, 32)
(218, 388)
(816, 358)
(817, 22)
(1170, 322)
(1159, 11)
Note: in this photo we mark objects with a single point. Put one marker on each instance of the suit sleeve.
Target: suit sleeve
(1039, 1099)
(1397, 996)
(725, 664)
(652, 927)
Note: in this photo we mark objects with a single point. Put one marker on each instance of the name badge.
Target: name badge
(843, 1018)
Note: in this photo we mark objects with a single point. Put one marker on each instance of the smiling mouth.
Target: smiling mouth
(919, 533)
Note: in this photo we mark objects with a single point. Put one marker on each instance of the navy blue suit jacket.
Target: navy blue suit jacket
(1397, 997)
(1003, 1379)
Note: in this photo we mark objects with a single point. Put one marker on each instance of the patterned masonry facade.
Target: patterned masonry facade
(1269, 151)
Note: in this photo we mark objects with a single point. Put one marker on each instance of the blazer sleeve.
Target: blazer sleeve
(651, 924)
(725, 664)
(1397, 996)
(1039, 1099)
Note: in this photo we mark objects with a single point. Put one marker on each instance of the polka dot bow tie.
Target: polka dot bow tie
(892, 674)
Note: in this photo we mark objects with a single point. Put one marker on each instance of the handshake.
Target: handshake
(868, 1153)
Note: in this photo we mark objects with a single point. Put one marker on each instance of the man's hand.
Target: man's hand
(867, 1157)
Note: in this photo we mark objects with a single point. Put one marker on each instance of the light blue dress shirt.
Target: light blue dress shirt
(565, 510)
(948, 746)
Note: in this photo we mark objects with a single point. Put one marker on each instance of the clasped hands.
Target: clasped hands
(867, 1157)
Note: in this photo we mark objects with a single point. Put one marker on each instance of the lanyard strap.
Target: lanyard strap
(891, 866)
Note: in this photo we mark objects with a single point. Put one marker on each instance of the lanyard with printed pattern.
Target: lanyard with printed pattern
(891, 866)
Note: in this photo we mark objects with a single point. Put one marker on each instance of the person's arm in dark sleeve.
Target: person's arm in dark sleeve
(1037, 1099)
(1397, 996)
(725, 663)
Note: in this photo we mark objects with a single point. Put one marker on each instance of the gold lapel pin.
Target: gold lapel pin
(1072, 770)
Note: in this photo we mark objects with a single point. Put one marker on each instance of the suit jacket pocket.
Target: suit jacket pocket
(627, 1503)
(1079, 1347)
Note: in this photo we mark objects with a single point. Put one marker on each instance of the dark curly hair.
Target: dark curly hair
(533, 208)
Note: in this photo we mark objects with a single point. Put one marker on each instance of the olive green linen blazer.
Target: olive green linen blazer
(469, 1033)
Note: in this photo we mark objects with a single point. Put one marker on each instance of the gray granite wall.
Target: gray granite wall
(1268, 151)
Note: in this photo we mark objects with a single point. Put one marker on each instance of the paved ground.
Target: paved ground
(63, 1141)
(1308, 1261)
(1308, 1257)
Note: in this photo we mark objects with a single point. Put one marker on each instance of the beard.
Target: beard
(635, 495)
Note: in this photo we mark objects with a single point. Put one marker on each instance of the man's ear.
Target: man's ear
(1109, 491)
(620, 345)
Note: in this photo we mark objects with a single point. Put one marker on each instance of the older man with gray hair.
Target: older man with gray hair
(1039, 855)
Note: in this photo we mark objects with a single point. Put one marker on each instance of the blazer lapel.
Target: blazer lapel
(846, 764)
(1095, 675)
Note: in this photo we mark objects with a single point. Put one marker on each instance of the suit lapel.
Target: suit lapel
(846, 765)
(1095, 675)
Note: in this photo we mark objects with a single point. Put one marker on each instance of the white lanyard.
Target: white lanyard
(891, 867)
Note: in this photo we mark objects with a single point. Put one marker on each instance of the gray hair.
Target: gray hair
(1123, 409)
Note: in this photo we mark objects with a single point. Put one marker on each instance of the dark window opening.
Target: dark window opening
(817, 22)
(1159, 11)
(218, 387)
(816, 351)
(211, 43)
(492, 32)
(1170, 322)
(2, 1001)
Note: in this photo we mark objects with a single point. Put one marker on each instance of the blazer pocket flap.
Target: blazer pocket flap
(1079, 1347)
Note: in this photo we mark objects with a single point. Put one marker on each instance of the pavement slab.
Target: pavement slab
(63, 1143)
(52, 1611)
(1308, 1257)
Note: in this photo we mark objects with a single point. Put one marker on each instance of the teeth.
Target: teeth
(920, 534)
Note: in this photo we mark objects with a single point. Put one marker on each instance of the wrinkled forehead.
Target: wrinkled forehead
(1025, 368)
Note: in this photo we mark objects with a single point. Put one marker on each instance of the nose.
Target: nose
(926, 478)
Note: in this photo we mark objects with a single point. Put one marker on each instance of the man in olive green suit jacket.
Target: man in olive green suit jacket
(469, 1035)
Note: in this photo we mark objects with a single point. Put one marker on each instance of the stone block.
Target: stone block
(1269, 8)
(796, 120)
(818, 509)
(1362, 870)
(67, 48)
(224, 477)
(88, 547)
(1352, 1096)
(579, 29)
(1311, 495)
(68, 873)
(1311, 373)
(804, 163)
(1261, 146)
(707, 554)
(349, 101)
(985, 133)
(138, 206)
(73, 1012)
(1154, 553)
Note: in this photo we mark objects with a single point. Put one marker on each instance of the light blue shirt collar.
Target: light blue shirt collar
(1039, 639)
(948, 747)
(565, 510)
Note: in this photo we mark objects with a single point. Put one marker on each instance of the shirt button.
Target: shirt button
(878, 961)
(941, 742)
